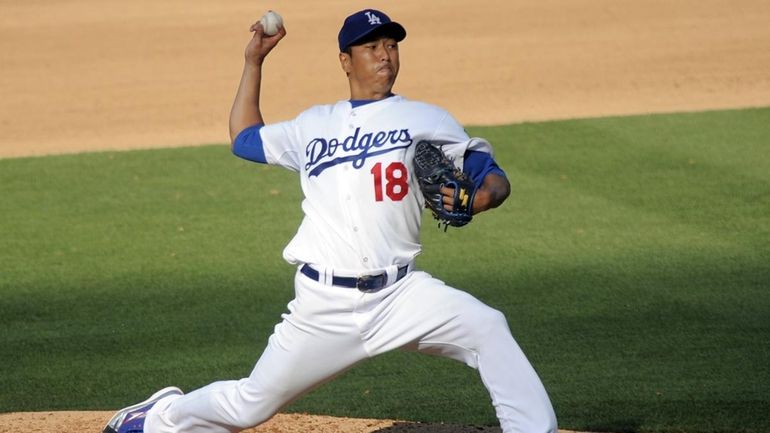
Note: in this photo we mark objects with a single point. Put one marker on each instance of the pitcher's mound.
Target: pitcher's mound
(93, 422)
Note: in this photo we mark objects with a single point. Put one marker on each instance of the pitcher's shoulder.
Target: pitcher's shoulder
(422, 108)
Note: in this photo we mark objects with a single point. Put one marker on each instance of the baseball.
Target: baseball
(271, 22)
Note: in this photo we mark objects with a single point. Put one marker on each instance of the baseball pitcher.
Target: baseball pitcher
(368, 166)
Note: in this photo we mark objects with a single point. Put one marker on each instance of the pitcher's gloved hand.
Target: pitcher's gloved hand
(434, 170)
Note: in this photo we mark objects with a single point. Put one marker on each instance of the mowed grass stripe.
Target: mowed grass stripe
(631, 260)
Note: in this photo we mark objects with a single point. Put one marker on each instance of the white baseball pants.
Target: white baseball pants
(329, 329)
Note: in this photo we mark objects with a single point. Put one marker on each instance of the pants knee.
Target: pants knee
(257, 403)
(487, 322)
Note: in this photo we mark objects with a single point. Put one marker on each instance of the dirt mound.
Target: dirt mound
(80, 422)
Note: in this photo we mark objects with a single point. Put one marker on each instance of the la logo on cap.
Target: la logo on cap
(373, 19)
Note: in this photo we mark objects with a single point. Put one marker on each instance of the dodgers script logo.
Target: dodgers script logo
(354, 148)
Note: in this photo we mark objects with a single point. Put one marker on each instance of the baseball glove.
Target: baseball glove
(434, 170)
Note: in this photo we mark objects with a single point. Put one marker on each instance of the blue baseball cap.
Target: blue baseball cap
(368, 22)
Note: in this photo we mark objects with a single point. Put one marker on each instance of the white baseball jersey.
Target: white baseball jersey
(362, 205)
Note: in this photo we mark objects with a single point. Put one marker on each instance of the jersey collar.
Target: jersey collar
(361, 102)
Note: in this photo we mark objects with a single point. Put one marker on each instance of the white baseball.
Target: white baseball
(271, 22)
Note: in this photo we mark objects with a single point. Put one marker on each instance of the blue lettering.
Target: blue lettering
(350, 142)
(357, 148)
(314, 151)
(365, 140)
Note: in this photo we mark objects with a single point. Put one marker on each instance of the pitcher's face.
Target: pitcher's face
(372, 67)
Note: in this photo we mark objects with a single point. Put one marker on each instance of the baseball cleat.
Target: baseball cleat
(131, 419)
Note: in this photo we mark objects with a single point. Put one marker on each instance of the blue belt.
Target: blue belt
(366, 283)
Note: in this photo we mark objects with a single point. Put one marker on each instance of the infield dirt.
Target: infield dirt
(91, 75)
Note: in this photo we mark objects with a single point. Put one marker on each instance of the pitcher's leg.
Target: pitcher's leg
(482, 340)
(283, 373)
(301, 354)
(459, 326)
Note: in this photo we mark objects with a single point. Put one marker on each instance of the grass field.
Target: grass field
(632, 261)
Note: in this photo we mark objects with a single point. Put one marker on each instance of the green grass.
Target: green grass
(632, 261)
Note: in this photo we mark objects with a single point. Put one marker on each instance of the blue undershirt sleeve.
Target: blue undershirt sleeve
(477, 165)
(248, 144)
